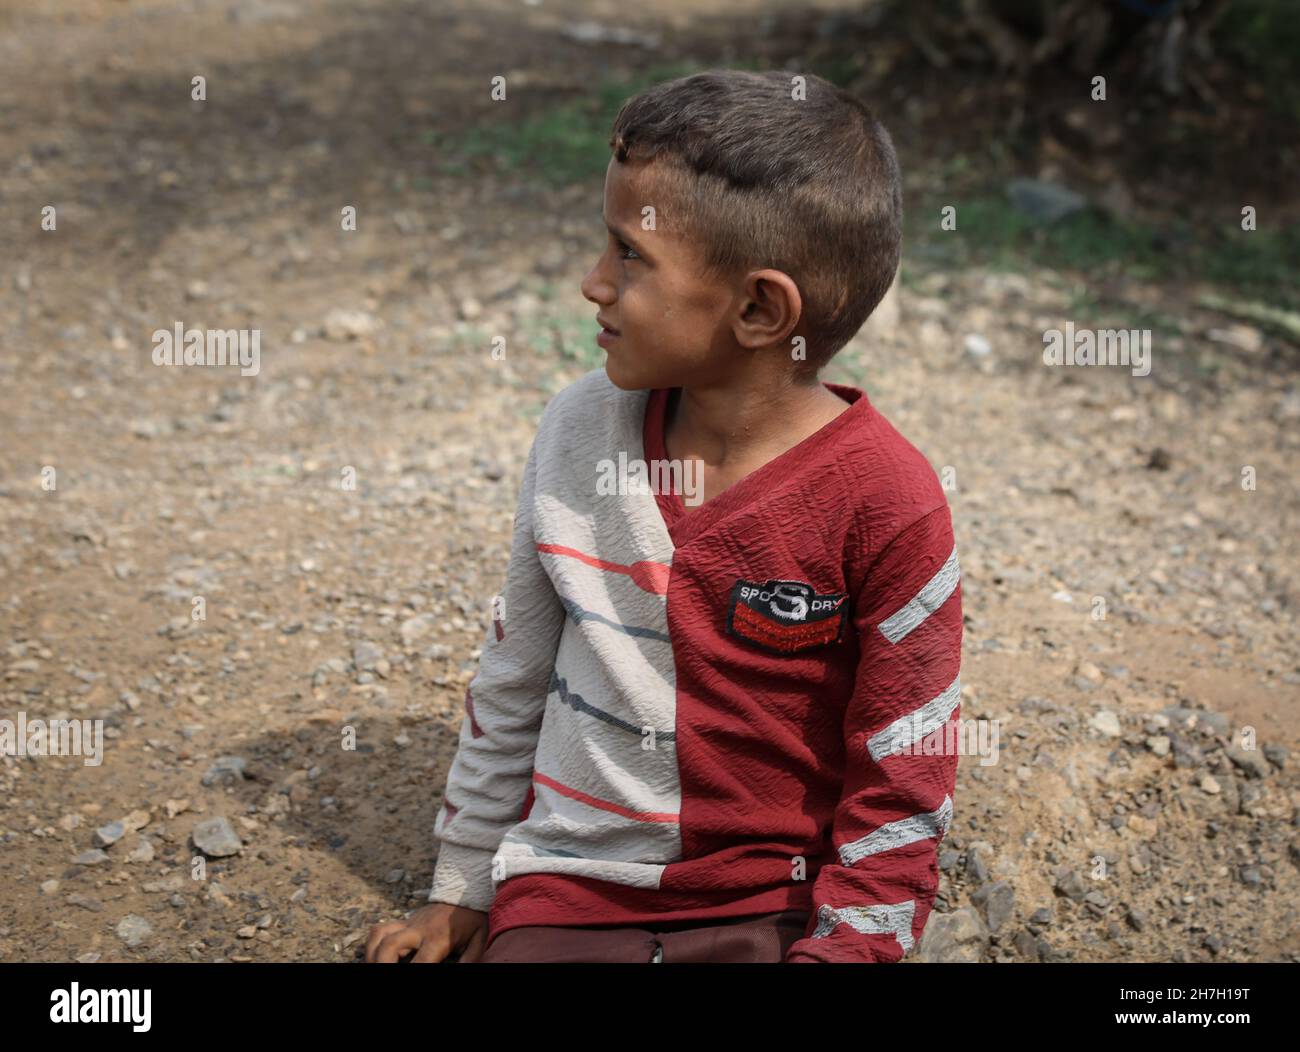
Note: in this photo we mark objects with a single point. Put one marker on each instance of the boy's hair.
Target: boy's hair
(810, 187)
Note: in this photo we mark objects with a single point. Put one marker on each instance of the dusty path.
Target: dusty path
(330, 607)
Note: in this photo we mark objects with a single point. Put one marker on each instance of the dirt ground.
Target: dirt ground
(1123, 821)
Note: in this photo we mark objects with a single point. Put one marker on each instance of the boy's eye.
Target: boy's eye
(626, 251)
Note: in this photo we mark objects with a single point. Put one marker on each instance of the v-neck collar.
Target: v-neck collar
(685, 524)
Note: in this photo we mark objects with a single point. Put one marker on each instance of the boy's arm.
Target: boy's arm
(872, 901)
(492, 771)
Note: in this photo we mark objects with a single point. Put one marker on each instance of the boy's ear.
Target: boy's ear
(772, 309)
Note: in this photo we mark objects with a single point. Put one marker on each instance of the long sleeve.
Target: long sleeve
(492, 772)
(871, 903)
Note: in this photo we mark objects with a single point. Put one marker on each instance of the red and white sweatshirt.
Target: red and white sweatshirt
(686, 713)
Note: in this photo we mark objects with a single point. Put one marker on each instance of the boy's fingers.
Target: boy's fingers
(393, 945)
(433, 950)
(376, 936)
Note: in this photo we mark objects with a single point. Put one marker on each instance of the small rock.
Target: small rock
(142, 852)
(1088, 671)
(416, 628)
(136, 820)
(1216, 722)
(1071, 885)
(172, 883)
(1107, 723)
(216, 838)
(1026, 945)
(1210, 784)
(1251, 761)
(1096, 902)
(954, 937)
(999, 902)
(1044, 202)
(343, 325)
(226, 771)
(91, 858)
(108, 835)
(133, 930)
(365, 656)
(1144, 827)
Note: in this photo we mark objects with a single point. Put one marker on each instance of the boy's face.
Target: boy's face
(671, 324)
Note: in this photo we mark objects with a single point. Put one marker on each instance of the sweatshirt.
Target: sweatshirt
(694, 713)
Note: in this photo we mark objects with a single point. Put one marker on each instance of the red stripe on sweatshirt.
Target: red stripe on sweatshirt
(604, 805)
(648, 576)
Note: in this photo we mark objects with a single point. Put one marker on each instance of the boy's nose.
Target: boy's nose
(596, 289)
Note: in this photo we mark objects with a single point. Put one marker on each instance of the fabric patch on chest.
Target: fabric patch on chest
(785, 616)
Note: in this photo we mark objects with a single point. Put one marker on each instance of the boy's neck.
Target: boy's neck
(733, 428)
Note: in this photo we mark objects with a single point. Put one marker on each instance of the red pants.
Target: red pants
(760, 939)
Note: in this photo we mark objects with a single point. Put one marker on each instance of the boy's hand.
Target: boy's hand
(433, 932)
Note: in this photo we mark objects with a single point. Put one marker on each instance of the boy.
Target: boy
(696, 732)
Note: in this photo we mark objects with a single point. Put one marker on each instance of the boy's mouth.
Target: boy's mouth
(607, 335)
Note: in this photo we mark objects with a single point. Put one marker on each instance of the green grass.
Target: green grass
(563, 142)
(1085, 303)
(992, 233)
(561, 336)
(840, 70)
(466, 337)
(1264, 37)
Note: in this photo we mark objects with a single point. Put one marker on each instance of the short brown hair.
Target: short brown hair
(807, 186)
